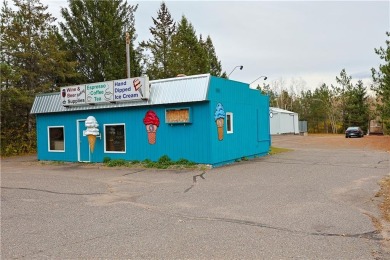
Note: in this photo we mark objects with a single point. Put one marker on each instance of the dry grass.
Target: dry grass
(275, 150)
(384, 193)
(375, 142)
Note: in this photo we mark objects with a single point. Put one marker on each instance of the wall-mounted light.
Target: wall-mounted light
(265, 78)
(241, 67)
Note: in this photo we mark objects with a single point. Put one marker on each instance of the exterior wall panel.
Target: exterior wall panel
(187, 141)
(283, 122)
(250, 137)
(197, 140)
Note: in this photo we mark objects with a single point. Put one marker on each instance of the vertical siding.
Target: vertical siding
(189, 141)
(251, 121)
(197, 141)
(275, 124)
(70, 153)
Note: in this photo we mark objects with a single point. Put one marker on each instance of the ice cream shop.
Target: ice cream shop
(201, 118)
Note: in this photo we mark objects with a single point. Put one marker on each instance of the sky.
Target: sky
(305, 43)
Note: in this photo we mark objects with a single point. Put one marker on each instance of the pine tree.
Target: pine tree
(357, 109)
(31, 62)
(8, 74)
(187, 55)
(95, 33)
(31, 57)
(160, 46)
(353, 101)
(214, 65)
(203, 56)
(345, 85)
(382, 83)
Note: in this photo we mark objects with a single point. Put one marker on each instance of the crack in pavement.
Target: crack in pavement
(194, 181)
(321, 163)
(54, 192)
(133, 172)
(382, 161)
(372, 235)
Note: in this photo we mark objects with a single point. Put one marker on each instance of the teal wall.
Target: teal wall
(197, 141)
(250, 110)
(188, 141)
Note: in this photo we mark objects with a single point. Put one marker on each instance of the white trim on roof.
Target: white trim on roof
(279, 110)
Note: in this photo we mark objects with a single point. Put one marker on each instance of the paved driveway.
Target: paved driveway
(314, 203)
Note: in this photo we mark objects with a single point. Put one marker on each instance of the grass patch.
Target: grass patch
(164, 162)
(53, 162)
(385, 194)
(275, 150)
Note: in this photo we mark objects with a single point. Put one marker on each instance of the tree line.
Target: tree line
(327, 109)
(39, 56)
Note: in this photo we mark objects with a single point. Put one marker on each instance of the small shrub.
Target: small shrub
(146, 161)
(165, 160)
(150, 164)
(183, 161)
(162, 166)
(116, 163)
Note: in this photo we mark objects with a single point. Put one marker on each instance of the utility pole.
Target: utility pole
(128, 54)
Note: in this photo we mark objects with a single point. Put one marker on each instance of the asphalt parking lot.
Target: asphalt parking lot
(315, 202)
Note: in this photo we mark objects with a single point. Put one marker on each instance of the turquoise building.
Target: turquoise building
(202, 118)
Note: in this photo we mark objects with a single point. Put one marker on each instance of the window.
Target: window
(229, 122)
(114, 138)
(178, 116)
(56, 138)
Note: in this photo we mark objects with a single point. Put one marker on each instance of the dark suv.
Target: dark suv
(354, 131)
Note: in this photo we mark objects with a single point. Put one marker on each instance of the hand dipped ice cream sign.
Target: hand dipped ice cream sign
(109, 91)
(130, 89)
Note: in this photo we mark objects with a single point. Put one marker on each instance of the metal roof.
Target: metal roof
(279, 110)
(164, 91)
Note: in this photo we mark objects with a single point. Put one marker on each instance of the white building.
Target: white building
(283, 121)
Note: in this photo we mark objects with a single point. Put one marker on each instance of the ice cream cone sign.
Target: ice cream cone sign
(137, 86)
(92, 131)
(219, 117)
(151, 122)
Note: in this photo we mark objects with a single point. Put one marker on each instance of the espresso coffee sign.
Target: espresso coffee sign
(99, 92)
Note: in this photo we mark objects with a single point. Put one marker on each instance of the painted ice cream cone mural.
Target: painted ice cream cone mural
(137, 86)
(92, 131)
(151, 122)
(219, 117)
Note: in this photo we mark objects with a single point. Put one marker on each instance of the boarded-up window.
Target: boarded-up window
(177, 116)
